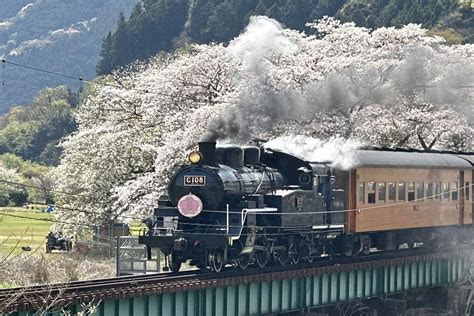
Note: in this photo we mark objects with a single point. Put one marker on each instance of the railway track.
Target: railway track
(100, 283)
(142, 285)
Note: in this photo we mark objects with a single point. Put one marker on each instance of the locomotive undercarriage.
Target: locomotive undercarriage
(268, 247)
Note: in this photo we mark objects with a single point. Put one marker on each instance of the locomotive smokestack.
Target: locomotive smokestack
(208, 151)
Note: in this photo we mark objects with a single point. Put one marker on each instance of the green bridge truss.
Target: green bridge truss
(324, 286)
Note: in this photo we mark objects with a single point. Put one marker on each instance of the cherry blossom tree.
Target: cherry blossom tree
(389, 87)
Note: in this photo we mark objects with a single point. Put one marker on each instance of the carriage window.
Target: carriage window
(391, 191)
(411, 191)
(429, 190)
(419, 191)
(382, 192)
(437, 191)
(401, 191)
(454, 191)
(371, 192)
(467, 191)
(445, 191)
(361, 192)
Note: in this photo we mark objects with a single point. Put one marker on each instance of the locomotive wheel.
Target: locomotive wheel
(282, 256)
(243, 261)
(295, 251)
(216, 260)
(175, 263)
(262, 258)
(308, 255)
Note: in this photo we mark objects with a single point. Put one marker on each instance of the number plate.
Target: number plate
(193, 181)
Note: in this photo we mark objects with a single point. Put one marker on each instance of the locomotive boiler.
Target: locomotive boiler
(247, 205)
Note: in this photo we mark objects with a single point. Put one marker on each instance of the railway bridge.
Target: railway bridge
(274, 290)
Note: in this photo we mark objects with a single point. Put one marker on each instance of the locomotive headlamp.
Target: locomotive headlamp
(194, 157)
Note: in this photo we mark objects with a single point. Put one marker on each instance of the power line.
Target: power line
(40, 188)
(222, 212)
(4, 61)
(80, 79)
(376, 206)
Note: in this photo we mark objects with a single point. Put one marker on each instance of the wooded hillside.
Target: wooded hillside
(164, 25)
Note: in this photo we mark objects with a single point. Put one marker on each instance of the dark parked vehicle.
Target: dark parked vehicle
(57, 241)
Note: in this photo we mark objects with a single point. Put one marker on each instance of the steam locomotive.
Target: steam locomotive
(248, 205)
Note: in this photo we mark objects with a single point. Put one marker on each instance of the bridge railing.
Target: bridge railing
(132, 257)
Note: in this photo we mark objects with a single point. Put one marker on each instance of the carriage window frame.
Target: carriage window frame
(467, 190)
(361, 192)
(438, 191)
(382, 192)
(401, 191)
(392, 191)
(445, 191)
(420, 191)
(411, 191)
(454, 190)
(429, 190)
(371, 192)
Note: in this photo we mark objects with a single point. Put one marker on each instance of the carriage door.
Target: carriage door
(461, 197)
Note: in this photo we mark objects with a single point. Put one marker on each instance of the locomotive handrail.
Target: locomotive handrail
(243, 216)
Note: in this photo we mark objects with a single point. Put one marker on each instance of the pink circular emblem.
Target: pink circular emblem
(190, 205)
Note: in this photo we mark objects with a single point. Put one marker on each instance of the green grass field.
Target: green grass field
(25, 232)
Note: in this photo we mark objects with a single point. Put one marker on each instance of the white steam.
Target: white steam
(259, 105)
(338, 152)
(262, 36)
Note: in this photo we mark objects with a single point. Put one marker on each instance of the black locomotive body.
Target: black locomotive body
(245, 205)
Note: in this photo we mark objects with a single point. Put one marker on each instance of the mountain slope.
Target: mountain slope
(60, 36)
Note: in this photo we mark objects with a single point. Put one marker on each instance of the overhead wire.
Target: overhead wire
(80, 79)
(375, 206)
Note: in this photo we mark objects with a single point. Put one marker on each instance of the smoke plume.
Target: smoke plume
(339, 153)
(261, 104)
(422, 72)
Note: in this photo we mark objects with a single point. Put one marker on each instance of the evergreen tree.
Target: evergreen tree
(120, 48)
(105, 64)
(260, 9)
